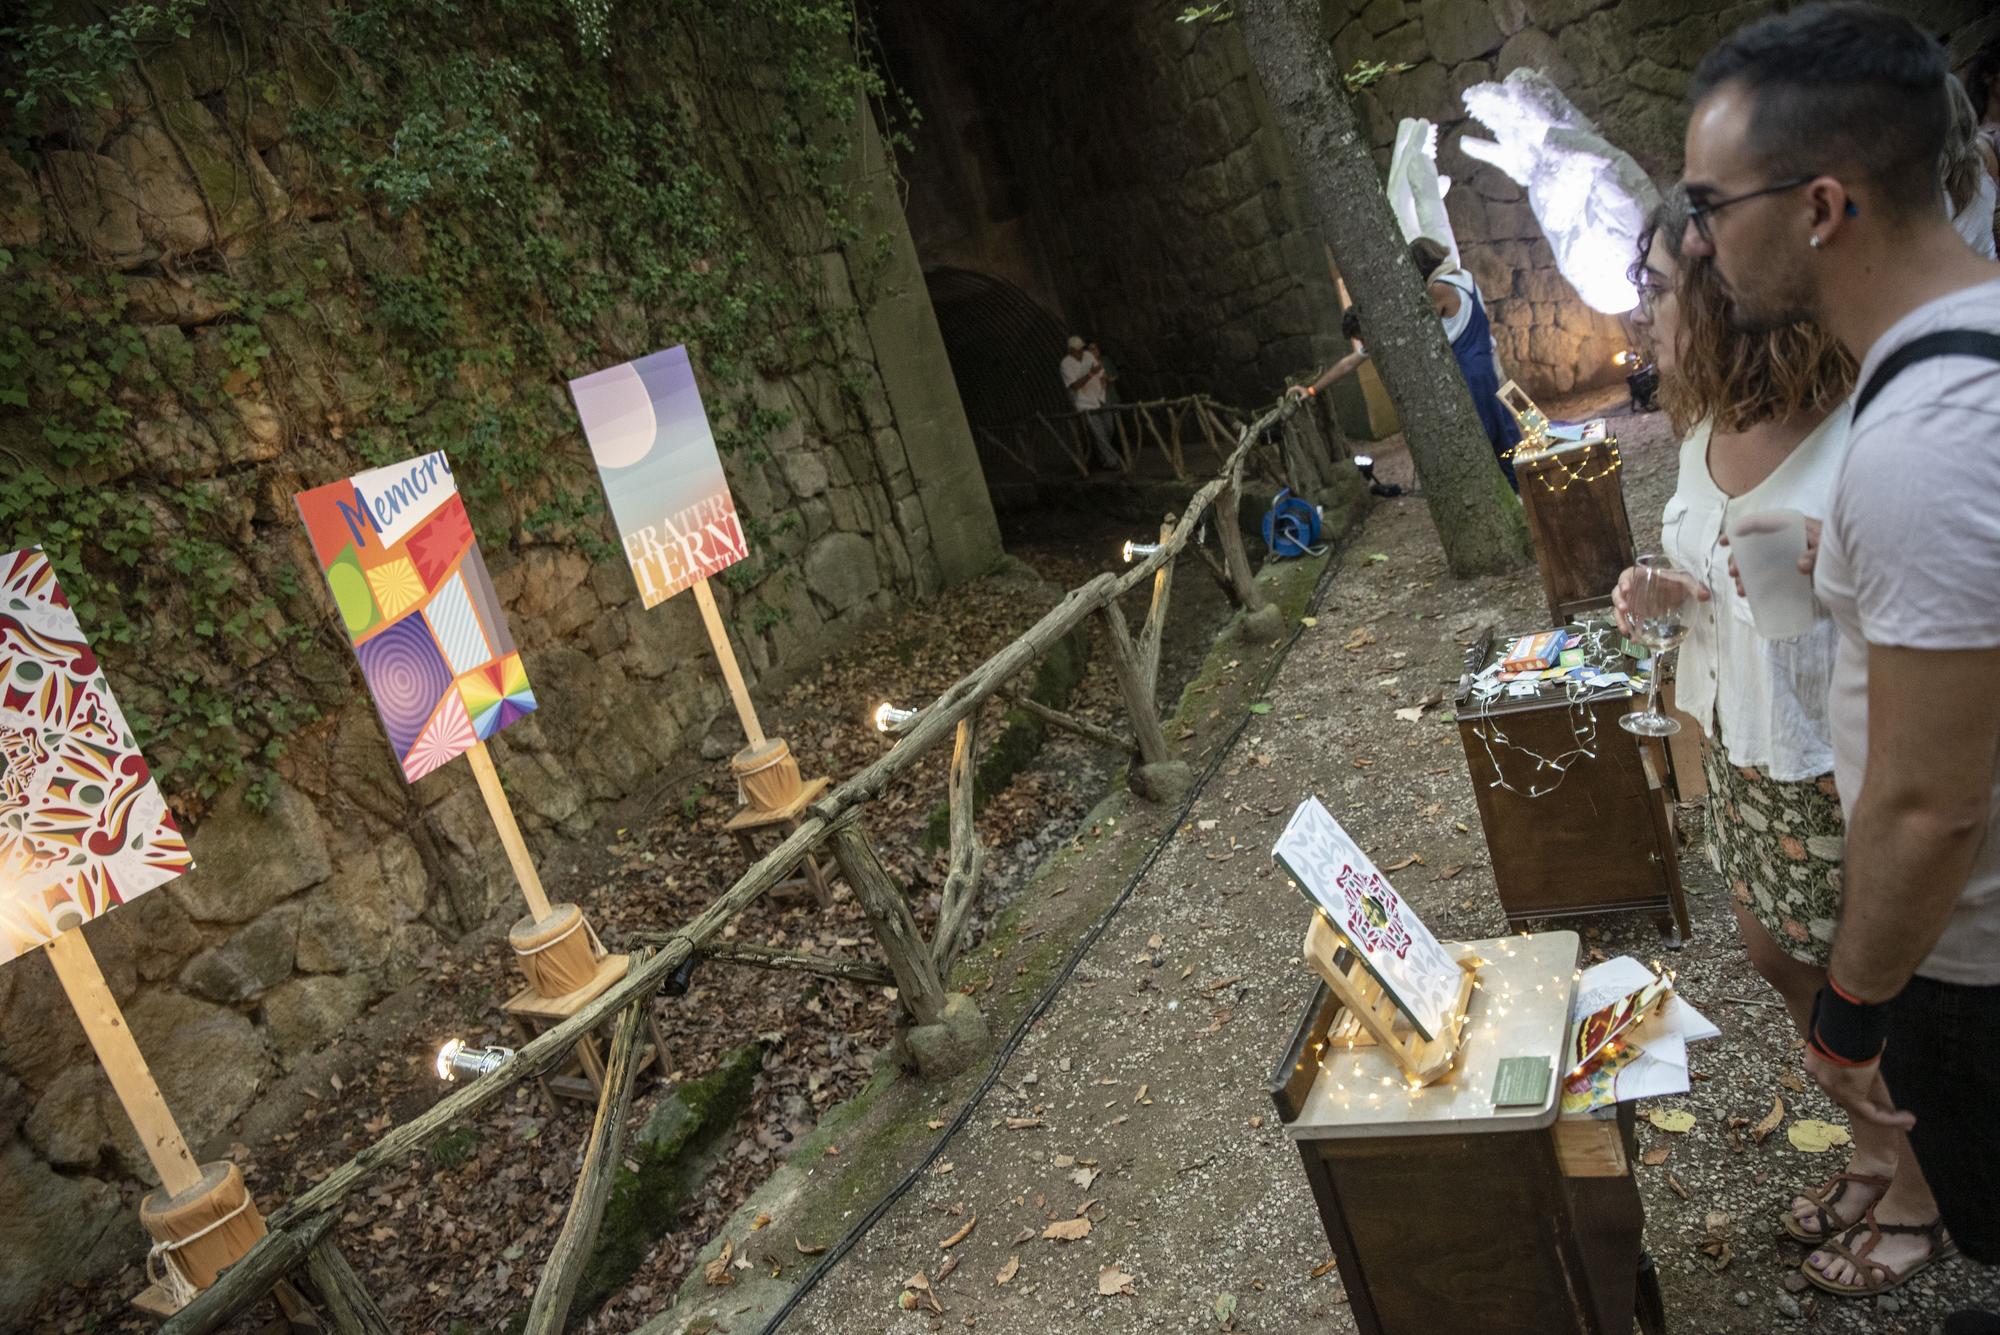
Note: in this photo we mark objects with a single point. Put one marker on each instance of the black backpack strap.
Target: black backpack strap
(1944, 343)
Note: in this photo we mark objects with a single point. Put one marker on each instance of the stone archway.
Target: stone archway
(1004, 347)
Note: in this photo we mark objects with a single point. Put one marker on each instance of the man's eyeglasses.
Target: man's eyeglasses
(1701, 210)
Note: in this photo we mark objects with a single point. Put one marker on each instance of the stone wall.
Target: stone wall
(1143, 190)
(1625, 63)
(199, 200)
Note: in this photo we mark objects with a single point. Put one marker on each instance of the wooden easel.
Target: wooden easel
(202, 1240)
(1370, 1015)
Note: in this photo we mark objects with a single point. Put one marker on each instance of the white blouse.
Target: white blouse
(1770, 696)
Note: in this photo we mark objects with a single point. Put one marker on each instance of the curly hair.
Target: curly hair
(1737, 378)
(1962, 164)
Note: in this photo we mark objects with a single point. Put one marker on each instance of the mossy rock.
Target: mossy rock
(672, 1152)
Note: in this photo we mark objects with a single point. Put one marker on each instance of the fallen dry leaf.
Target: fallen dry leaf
(1792, 1082)
(1413, 860)
(762, 1220)
(716, 1272)
(1025, 1235)
(1024, 1123)
(1362, 637)
(1675, 1121)
(1083, 1177)
(1770, 1121)
(1068, 1230)
(1656, 1156)
(1679, 1188)
(1449, 872)
(962, 1234)
(1008, 1271)
(1140, 1097)
(1326, 1266)
(1815, 1137)
(808, 1251)
(950, 1264)
(1111, 1280)
(1413, 714)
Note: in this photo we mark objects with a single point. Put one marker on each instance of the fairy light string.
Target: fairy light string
(1599, 647)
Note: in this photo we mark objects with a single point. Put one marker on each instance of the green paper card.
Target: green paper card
(1521, 1082)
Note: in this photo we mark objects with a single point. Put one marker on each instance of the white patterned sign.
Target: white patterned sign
(1391, 941)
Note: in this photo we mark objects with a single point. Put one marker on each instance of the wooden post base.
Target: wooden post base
(767, 774)
(1371, 1014)
(581, 1081)
(206, 1228)
(557, 954)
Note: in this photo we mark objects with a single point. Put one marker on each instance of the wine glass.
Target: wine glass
(1659, 601)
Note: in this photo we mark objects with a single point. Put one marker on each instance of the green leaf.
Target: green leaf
(1261, 707)
(1225, 1308)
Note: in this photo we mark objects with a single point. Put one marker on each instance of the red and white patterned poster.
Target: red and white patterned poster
(83, 828)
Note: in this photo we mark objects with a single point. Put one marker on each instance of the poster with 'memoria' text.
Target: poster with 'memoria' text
(83, 828)
(398, 554)
(661, 473)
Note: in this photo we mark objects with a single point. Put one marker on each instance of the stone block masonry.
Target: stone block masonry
(194, 199)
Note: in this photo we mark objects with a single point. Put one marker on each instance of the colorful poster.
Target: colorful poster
(398, 553)
(1391, 941)
(657, 458)
(83, 828)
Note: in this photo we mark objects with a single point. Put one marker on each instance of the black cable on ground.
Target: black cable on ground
(1047, 999)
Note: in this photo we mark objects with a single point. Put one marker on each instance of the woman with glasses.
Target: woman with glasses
(1762, 429)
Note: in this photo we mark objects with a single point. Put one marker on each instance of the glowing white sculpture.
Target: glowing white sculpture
(1590, 197)
(1416, 191)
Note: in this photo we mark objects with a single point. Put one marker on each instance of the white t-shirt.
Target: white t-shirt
(1770, 695)
(1974, 222)
(1090, 394)
(1911, 558)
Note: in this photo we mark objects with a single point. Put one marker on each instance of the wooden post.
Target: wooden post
(601, 1157)
(1228, 509)
(341, 1292)
(895, 930)
(1069, 722)
(961, 882)
(502, 813)
(1138, 699)
(865, 972)
(1156, 617)
(104, 1024)
(718, 637)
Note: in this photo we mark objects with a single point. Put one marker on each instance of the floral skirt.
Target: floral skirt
(1779, 847)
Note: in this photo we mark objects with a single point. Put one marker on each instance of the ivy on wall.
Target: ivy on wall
(520, 191)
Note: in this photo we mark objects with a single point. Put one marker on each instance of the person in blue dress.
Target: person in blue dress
(1462, 311)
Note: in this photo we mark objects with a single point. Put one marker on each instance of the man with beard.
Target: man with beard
(1814, 157)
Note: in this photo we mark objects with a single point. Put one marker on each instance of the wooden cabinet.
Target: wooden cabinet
(1591, 837)
(1575, 504)
(1447, 1215)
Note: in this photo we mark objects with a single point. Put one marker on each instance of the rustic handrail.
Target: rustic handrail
(299, 1232)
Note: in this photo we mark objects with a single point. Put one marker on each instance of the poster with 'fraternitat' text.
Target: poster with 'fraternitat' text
(662, 476)
(397, 550)
(83, 828)
(1388, 936)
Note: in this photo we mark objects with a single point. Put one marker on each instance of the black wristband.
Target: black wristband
(1847, 1031)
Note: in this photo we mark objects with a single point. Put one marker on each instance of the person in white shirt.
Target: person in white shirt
(1083, 376)
(1971, 176)
(1813, 156)
(1760, 431)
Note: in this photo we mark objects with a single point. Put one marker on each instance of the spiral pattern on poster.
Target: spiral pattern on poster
(407, 677)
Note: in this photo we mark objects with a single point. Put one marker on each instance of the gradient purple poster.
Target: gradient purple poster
(661, 473)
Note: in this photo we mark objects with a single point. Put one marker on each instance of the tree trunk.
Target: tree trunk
(1476, 516)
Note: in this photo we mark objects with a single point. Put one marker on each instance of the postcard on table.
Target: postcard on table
(1386, 934)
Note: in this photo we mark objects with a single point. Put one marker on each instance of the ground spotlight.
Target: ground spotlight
(1138, 550)
(890, 719)
(455, 1059)
(1366, 463)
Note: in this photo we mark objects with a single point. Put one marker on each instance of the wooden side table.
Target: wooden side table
(1574, 501)
(1595, 838)
(582, 1079)
(1449, 1215)
(749, 823)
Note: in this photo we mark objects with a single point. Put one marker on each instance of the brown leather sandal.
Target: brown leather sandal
(1825, 1199)
(1883, 1278)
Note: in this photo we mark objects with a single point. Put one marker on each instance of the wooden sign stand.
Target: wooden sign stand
(764, 769)
(557, 949)
(202, 1217)
(1373, 1016)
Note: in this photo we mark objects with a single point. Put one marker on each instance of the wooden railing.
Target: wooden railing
(301, 1231)
(1052, 444)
